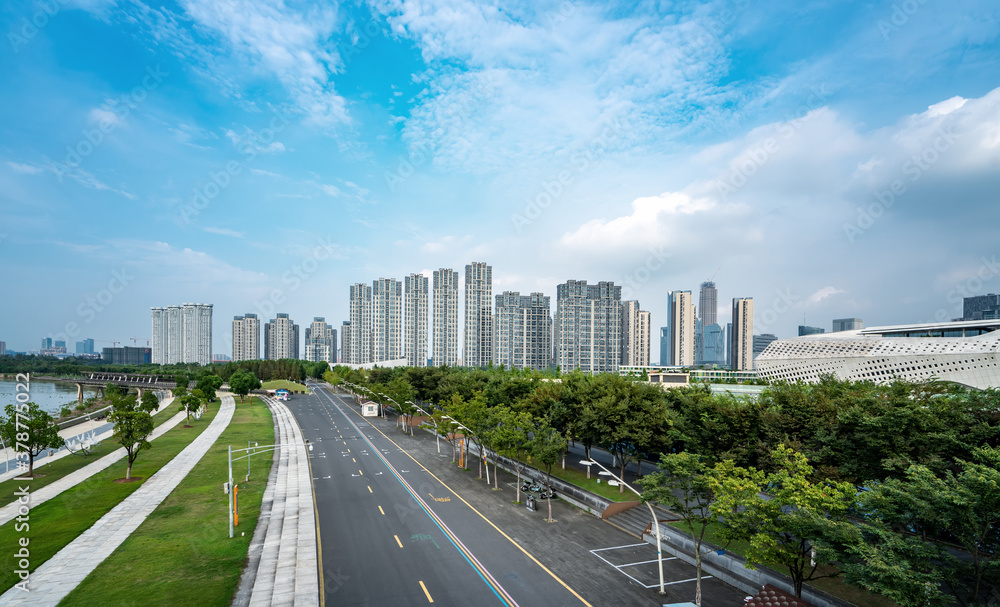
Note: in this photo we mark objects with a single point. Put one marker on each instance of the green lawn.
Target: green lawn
(291, 386)
(59, 468)
(182, 554)
(579, 478)
(834, 586)
(60, 520)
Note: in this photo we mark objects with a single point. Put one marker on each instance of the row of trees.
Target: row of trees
(780, 472)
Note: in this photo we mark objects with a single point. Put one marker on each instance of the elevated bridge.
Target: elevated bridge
(125, 380)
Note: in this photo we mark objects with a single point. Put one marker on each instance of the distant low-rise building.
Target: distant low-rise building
(807, 330)
(127, 355)
(847, 324)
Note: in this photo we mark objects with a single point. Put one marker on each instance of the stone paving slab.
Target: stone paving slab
(58, 576)
(288, 570)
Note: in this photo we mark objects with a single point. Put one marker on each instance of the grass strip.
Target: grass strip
(57, 522)
(291, 386)
(182, 553)
(68, 464)
(579, 478)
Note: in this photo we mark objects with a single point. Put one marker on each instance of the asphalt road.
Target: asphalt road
(410, 528)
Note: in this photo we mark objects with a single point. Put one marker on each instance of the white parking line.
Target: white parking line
(621, 568)
(619, 547)
(669, 558)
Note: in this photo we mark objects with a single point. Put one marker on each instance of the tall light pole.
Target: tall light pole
(437, 435)
(656, 523)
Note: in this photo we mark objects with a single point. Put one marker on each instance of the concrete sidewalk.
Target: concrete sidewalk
(287, 571)
(58, 576)
(96, 432)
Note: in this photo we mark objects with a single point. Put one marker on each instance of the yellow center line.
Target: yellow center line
(361, 473)
(354, 460)
(382, 511)
(427, 594)
(397, 541)
(370, 489)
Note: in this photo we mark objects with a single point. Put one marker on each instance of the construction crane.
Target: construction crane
(136, 340)
(713, 275)
(114, 344)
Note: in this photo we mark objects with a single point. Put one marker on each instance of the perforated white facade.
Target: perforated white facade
(967, 353)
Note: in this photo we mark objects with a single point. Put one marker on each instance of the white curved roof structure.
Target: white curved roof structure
(965, 352)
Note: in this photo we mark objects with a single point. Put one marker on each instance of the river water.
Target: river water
(49, 395)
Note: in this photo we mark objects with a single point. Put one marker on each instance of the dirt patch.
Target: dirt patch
(128, 480)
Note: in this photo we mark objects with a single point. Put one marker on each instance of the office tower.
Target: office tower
(729, 345)
(708, 304)
(126, 355)
(281, 338)
(636, 334)
(847, 324)
(681, 322)
(246, 337)
(3, 348)
(46, 343)
(522, 331)
(445, 345)
(415, 320)
(85, 346)
(664, 346)
(478, 348)
(387, 319)
(762, 341)
(975, 308)
(345, 341)
(713, 348)
(361, 324)
(60, 344)
(182, 334)
(807, 330)
(588, 326)
(698, 354)
(321, 342)
(742, 334)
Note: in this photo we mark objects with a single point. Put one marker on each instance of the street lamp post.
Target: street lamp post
(254, 450)
(656, 522)
(437, 435)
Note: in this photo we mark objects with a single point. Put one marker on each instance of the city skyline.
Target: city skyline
(834, 173)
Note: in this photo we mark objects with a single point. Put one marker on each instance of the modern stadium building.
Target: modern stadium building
(964, 352)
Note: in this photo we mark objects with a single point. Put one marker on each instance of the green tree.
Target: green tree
(189, 403)
(242, 382)
(149, 402)
(182, 381)
(512, 439)
(208, 383)
(547, 447)
(27, 428)
(779, 526)
(682, 484)
(132, 429)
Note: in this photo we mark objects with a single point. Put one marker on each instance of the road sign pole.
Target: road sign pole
(230, 491)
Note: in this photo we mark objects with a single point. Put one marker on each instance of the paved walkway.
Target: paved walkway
(288, 570)
(58, 576)
(104, 430)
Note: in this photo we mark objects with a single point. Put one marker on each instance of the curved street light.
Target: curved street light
(659, 548)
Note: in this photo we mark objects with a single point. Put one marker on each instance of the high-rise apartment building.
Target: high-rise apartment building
(522, 331)
(847, 324)
(588, 326)
(742, 334)
(281, 338)
(182, 334)
(445, 340)
(361, 324)
(3, 348)
(415, 320)
(636, 334)
(708, 304)
(807, 330)
(387, 319)
(664, 346)
(478, 350)
(345, 341)
(681, 322)
(321, 341)
(246, 337)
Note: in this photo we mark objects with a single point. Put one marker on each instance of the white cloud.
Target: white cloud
(823, 293)
(223, 232)
(648, 224)
(25, 169)
(104, 117)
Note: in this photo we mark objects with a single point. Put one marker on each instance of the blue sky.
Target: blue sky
(263, 156)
